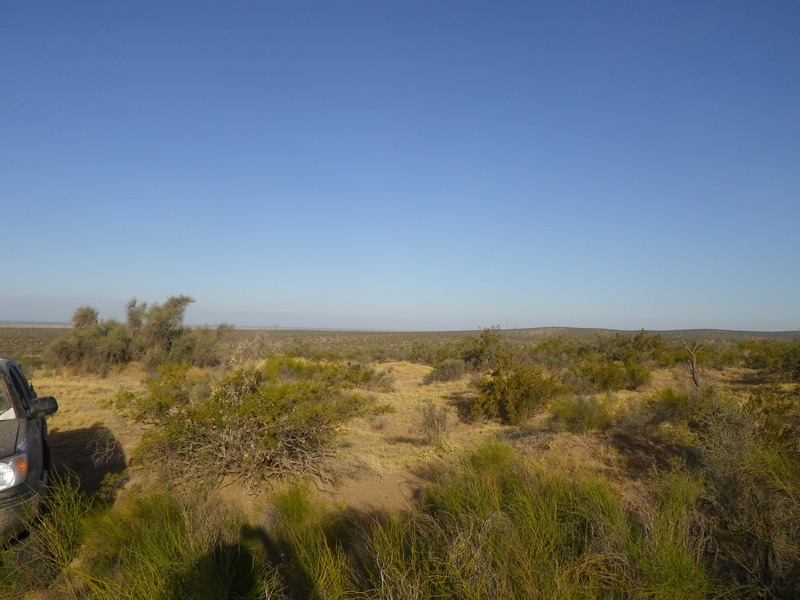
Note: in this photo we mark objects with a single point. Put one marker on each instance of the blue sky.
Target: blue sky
(404, 165)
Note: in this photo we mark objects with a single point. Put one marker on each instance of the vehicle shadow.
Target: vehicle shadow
(264, 560)
(91, 453)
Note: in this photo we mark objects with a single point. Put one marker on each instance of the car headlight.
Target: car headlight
(13, 470)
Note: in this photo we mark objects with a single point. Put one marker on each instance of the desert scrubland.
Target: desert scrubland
(547, 463)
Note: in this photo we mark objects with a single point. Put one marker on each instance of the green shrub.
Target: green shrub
(488, 524)
(594, 374)
(451, 369)
(496, 527)
(641, 347)
(583, 413)
(153, 334)
(486, 351)
(513, 395)
(555, 353)
(286, 368)
(673, 563)
(636, 375)
(92, 348)
(752, 503)
(253, 424)
(313, 535)
(670, 405)
(776, 414)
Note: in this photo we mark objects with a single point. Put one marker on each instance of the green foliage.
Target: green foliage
(290, 368)
(85, 316)
(673, 566)
(488, 524)
(53, 543)
(776, 414)
(496, 527)
(92, 348)
(314, 535)
(594, 374)
(167, 393)
(583, 413)
(670, 415)
(156, 546)
(163, 323)
(434, 352)
(451, 369)
(636, 374)
(491, 526)
(641, 347)
(555, 353)
(753, 501)
(486, 351)
(671, 405)
(514, 394)
(774, 359)
(254, 424)
(154, 334)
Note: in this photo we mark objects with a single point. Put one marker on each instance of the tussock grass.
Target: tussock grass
(492, 526)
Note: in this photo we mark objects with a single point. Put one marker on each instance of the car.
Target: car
(24, 453)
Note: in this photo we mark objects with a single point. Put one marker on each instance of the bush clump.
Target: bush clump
(579, 414)
(253, 423)
(451, 369)
(153, 334)
(513, 394)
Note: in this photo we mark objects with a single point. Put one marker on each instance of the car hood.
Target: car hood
(8, 437)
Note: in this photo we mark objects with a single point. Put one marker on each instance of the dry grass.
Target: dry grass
(381, 457)
(86, 435)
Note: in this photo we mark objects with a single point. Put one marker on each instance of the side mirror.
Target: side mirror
(41, 407)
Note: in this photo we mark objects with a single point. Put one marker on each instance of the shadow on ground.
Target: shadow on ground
(462, 402)
(644, 455)
(90, 453)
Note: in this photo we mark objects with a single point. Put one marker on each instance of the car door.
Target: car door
(31, 432)
(9, 422)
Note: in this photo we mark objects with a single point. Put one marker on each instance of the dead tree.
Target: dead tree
(692, 362)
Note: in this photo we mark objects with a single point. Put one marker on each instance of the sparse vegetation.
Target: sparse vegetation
(654, 468)
(434, 422)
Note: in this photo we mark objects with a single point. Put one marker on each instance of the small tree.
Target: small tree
(163, 323)
(134, 314)
(84, 316)
(694, 371)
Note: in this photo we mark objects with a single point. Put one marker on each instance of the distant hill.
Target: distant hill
(688, 334)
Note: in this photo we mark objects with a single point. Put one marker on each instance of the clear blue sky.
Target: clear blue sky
(404, 165)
